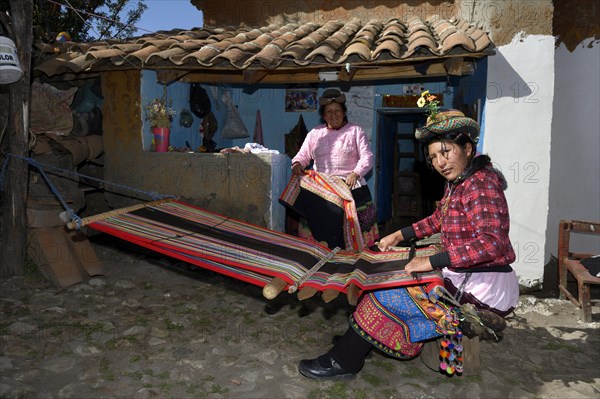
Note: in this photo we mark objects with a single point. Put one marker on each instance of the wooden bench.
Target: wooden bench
(569, 262)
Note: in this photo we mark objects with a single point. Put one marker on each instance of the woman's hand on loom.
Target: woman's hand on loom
(297, 169)
(418, 265)
(391, 240)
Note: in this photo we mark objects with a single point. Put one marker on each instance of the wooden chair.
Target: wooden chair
(569, 262)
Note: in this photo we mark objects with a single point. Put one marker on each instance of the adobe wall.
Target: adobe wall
(260, 13)
(235, 185)
(502, 18)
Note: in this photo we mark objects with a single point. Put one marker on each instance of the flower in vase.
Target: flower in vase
(159, 112)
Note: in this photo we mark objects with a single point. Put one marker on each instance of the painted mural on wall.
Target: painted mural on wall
(301, 100)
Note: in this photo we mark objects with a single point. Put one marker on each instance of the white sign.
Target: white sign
(360, 102)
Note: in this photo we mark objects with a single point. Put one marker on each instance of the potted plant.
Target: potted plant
(160, 115)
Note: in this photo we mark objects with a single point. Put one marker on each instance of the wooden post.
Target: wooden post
(471, 362)
(564, 231)
(430, 355)
(14, 214)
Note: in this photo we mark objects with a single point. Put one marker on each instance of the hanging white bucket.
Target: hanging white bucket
(10, 68)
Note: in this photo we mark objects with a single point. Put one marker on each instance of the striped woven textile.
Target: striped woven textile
(334, 190)
(255, 254)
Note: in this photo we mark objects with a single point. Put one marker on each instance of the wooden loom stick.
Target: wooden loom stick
(313, 270)
(106, 215)
(277, 285)
(306, 292)
(352, 294)
(329, 295)
(274, 288)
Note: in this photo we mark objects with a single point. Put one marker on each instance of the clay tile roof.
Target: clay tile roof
(393, 29)
(457, 39)
(321, 45)
(391, 47)
(169, 54)
(363, 42)
(297, 50)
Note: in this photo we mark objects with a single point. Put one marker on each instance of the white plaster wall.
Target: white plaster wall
(518, 116)
(575, 166)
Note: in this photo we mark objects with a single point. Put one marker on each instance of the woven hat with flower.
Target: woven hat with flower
(441, 123)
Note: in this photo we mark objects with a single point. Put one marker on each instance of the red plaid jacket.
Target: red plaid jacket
(475, 226)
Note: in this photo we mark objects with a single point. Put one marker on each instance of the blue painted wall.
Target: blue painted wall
(276, 122)
(269, 100)
(472, 89)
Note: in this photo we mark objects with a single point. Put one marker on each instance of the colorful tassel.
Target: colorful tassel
(451, 349)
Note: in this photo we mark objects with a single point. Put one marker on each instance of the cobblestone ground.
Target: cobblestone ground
(145, 330)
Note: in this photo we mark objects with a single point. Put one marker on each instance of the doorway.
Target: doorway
(406, 189)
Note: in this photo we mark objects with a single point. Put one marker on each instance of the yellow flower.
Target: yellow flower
(431, 102)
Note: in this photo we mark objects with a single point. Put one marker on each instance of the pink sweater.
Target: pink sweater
(337, 152)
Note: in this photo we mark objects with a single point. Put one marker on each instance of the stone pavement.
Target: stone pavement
(150, 331)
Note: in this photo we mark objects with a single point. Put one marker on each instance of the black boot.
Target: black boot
(343, 361)
(324, 368)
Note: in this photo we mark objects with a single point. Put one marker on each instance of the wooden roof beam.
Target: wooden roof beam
(402, 71)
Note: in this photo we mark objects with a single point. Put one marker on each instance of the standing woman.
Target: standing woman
(475, 261)
(339, 149)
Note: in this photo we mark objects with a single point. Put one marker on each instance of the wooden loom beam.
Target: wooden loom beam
(306, 292)
(352, 294)
(329, 295)
(277, 285)
(120, 211)
(274, 288)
